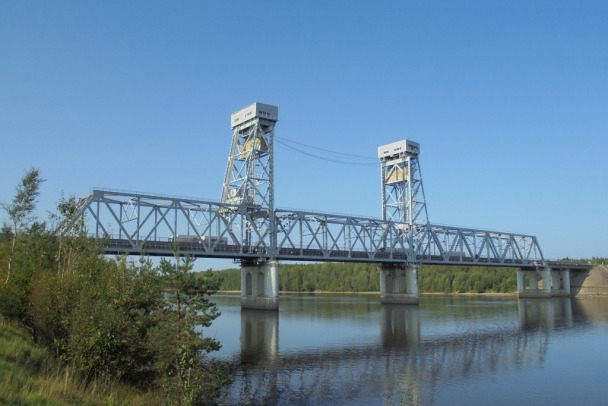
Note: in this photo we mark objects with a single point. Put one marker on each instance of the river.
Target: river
(351, 350)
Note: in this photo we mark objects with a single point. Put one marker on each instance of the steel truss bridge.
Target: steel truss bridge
(245, 225)
(137, 223)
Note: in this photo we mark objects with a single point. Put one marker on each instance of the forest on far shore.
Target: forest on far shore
(359, 277)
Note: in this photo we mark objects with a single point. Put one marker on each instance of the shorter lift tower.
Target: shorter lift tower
(402, 192)
(403, 202)
(249, 186)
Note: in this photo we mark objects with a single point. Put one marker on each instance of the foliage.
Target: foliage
(461, 279)
(110, 319)
(21, 208)
(181, 346)
(106, 330)
(30, 375)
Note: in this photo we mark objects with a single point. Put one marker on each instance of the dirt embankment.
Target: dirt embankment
(593, 282)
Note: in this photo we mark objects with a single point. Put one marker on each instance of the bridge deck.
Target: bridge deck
(134, 223)
(238, 252)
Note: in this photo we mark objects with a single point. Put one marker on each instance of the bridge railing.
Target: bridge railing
(133, 223)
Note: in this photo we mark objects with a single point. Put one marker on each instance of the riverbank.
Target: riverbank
(30, 375)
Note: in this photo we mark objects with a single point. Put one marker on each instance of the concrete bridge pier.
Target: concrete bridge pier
(260, 285)
(399, 284)
(560, 282)
(528, 282)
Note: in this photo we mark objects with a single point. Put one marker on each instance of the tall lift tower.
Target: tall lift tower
(249, 180)
(403, 198)
(250, 174)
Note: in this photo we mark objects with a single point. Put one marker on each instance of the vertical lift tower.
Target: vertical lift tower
(403, 202)
(249, 187)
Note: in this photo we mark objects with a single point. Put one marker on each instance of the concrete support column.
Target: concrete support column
(520, 281)
(260, 286)
(566, 280)
(399, 284)
(556, 281)
(560, 282)
(534, 281)
(545, 275)
(528, 283)
(412, 280)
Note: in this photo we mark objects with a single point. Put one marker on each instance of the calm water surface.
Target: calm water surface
(350, 350)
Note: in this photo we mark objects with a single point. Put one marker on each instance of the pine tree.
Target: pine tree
(189, 378)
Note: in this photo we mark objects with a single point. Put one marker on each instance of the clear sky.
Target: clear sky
(508, 99)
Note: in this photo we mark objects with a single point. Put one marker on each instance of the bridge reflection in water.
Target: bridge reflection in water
(404, 368)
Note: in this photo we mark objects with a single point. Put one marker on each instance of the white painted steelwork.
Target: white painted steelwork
(249, 176)
(247, 226)
(402, 191)
(249, 180)
(135, 223)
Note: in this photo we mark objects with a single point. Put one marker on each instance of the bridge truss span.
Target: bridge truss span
(444, 244)
(326, 237)
(136, 223)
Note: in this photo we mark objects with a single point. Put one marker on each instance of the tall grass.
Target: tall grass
(29, 375)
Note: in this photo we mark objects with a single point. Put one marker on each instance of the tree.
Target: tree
(188, 378)
(107, 318)
(21, 208)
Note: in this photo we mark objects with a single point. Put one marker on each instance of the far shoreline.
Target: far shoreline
(323, 292)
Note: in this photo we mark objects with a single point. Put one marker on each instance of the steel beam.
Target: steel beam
(137, 223)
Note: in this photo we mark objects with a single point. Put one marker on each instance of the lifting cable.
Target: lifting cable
(299, 148)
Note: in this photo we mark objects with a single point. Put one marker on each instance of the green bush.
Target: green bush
(110, 319)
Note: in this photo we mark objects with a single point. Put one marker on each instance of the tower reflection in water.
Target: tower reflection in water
(402, 364)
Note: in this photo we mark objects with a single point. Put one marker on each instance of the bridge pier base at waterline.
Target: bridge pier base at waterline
(399, 284)
(260, 285)
(543, 282)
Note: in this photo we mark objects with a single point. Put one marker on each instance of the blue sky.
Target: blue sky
(508, 99)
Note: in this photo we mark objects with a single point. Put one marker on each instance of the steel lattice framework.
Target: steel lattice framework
(249, 181)
(246, 226)
(136, 223)
(249, 176)
(402, 190)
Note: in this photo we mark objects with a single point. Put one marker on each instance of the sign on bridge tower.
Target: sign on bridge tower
(402, 191)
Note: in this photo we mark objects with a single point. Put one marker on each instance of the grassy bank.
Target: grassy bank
(30, 375)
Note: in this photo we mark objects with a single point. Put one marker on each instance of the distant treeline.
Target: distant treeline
(328, 276)
(353, 277)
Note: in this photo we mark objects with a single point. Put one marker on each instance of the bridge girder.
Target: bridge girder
(135, 223)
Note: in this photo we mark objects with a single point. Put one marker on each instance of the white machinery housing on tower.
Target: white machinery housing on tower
(403, 198)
